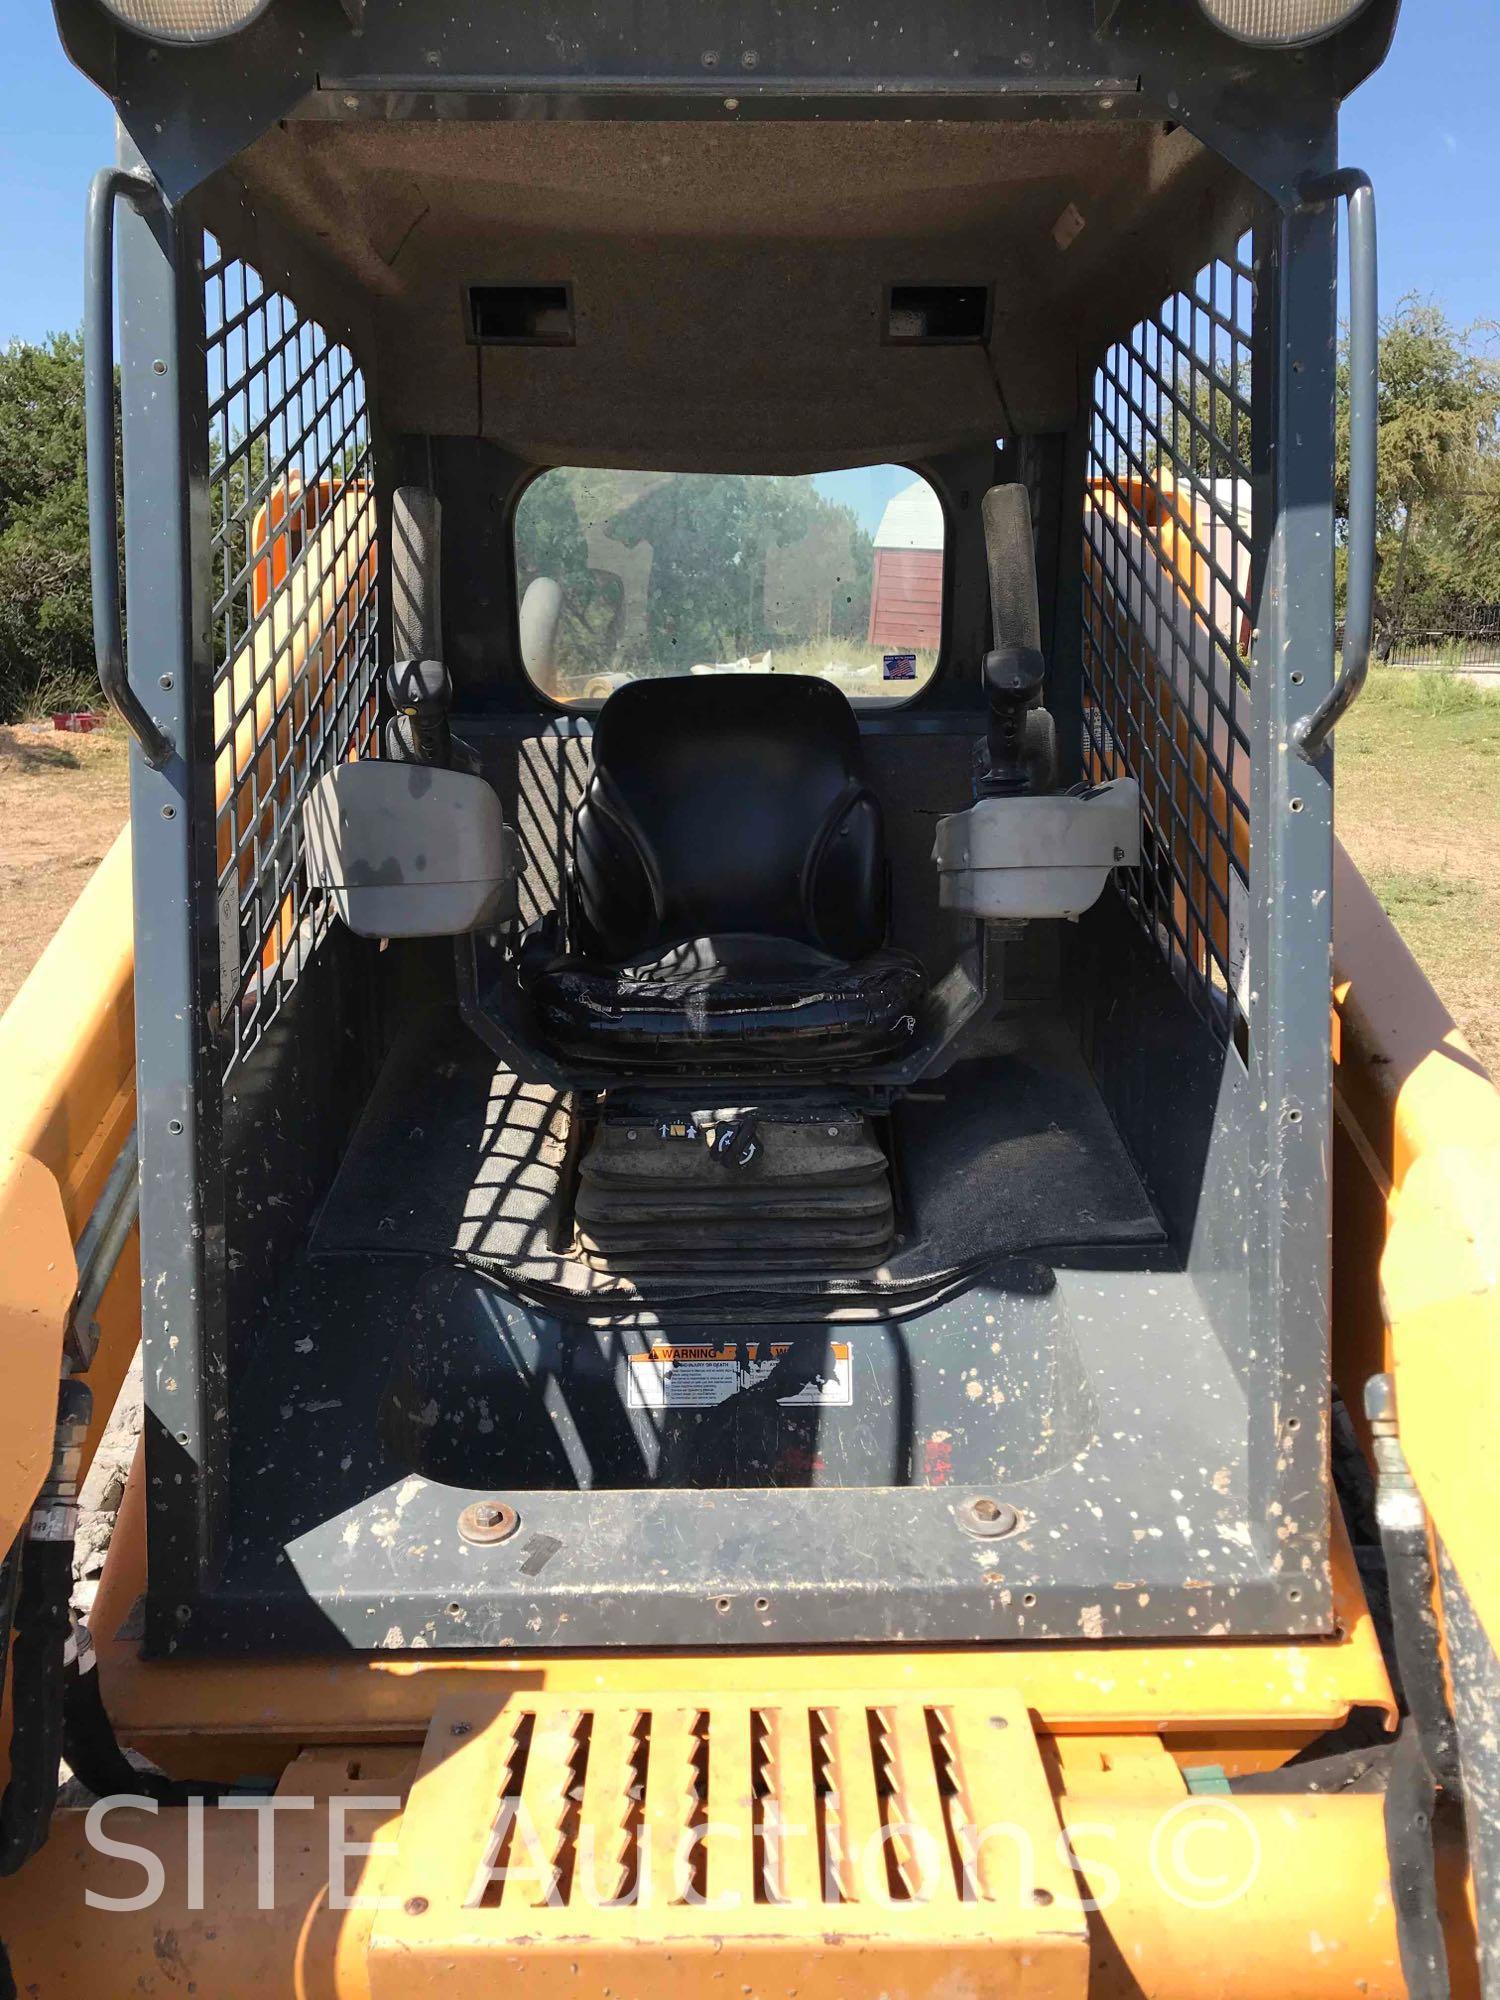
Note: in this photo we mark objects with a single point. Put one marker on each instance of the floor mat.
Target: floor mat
(1011, 1153)
(1014, 1152)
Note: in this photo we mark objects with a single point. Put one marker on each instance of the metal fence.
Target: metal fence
(1421, 620)
(1458, 638)
(1168, 595)
(294, 612)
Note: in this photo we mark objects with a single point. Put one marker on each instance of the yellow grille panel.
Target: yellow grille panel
(855, 1844)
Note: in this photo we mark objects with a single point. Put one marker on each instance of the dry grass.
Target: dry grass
(63, 799)
(1418, 805)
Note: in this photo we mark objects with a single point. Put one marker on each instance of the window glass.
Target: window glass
(626, 574)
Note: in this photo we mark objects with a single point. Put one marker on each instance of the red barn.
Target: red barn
(906, 598)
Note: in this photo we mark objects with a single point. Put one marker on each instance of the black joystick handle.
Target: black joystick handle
(1013, 677)
(421, 693)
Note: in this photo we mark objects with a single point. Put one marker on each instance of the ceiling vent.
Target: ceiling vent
(937, 315)
(521, 315)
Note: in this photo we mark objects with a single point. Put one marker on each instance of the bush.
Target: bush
(46, 619)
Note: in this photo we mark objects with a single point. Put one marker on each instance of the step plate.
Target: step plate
(863, 1845)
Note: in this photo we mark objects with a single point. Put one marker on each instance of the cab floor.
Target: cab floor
(1010, 1154)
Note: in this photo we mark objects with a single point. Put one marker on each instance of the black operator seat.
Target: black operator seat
(726, 899)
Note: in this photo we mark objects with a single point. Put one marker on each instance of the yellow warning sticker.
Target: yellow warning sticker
(700, 1375)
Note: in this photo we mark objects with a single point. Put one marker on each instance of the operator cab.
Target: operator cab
(719, 991)
(732, 884)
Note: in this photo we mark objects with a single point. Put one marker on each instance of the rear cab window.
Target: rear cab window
(624, 575)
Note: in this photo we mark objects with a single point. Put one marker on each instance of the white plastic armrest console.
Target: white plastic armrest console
(1047, 856)
(407, 850)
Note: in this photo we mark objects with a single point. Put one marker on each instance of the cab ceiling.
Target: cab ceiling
(728, 281)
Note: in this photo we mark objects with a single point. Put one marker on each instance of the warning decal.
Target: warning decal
(699, 1375)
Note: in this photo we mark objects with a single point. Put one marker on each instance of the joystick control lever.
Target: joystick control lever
(1013, 677)
(421, 694)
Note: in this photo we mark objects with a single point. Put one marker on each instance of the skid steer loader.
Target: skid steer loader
(785, 1350)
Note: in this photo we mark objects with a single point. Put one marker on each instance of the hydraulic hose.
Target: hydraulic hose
(93, 1750)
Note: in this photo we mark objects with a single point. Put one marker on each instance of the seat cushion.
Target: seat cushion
(738, 997)
(727, 803)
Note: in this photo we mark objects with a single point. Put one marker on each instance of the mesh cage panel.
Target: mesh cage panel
(294, 612)
(1168, 621)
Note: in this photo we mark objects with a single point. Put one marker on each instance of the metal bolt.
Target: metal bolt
(461, 1729)
(488, 1521)
(166, 681)
(415, 1906)
(988, 1518)
(749, 59)
(630, 1135)
(169, 812)
(158, 368)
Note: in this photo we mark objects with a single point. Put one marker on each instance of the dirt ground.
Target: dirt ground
(63, 798)
(1418, 808)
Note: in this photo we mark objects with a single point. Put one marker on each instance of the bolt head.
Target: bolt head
(488, 1521)
(987, 1518)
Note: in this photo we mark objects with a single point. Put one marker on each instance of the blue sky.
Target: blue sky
(1426, 127)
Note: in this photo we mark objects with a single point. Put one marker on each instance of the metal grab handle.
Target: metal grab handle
(109, 185)
(1311, 734)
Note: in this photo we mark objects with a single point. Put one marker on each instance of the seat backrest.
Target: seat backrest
(728, 803)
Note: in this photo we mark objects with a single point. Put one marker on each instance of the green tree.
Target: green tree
(1438, 482)
(46, 620)
(1439, 406)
